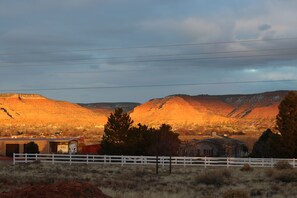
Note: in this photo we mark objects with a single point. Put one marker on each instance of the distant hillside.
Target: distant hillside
(189, 115)
(204, 113)
(29, 113)
(107, 108)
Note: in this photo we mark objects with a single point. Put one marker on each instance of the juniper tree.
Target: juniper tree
(286, 121)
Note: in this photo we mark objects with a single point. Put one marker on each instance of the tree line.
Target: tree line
(122, 138)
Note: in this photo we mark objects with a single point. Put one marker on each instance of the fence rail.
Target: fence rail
(148, 160)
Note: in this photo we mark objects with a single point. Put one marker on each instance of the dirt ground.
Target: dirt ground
(141, 181)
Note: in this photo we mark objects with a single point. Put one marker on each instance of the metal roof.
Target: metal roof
(36, 139)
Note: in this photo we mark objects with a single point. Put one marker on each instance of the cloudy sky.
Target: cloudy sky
(135, 50)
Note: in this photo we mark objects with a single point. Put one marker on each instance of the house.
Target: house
(214, 147)
(8, 146)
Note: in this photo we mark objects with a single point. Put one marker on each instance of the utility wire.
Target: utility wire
(146, 86)
(158, 60)
(157, 46)
(165, 55)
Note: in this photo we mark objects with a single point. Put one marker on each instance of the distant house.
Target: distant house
(214, 147)
(8, 146)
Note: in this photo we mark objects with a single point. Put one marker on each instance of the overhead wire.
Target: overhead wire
(156, 60)
(163, 55)
(147, 85)
(158, 46)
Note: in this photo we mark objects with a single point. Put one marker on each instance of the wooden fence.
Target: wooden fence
(148, 160)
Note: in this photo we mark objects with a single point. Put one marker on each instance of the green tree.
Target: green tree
(116, 132)
(139, 139)
(164, 141)
(286, 121)
(31, 147)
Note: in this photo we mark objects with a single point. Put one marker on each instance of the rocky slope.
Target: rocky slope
(29, 113)
(205, 113)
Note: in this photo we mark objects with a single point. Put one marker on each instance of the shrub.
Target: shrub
(246, 167)
(281, 165)
(232, 193)
(286, 176)
(216, 178)
(270, 172)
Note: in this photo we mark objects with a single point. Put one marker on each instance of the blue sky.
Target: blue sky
(71, 43)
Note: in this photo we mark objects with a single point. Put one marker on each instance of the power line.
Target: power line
(146, 86)
(166, 55)
(159, 60)
(157, 46)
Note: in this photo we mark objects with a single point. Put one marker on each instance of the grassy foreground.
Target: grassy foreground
(141, 181)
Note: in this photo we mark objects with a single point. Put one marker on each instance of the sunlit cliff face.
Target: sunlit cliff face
(231, 113)
(199, 114)
(24, 112)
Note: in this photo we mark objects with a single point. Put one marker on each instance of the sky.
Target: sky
(132, 51)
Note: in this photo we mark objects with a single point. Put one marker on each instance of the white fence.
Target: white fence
(148, 160)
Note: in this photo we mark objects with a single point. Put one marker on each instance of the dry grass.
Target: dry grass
(281, 165)
(141, 181)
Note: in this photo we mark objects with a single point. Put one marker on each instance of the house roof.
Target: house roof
(38, 139)
(221, 141)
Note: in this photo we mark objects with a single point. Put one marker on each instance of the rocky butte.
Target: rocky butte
(36, 115)
(192, 115)
(249, 114)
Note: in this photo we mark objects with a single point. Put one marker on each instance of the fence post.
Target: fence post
(70, 159)
(184, 161)
(13, 158)
(104, 158)
(36, 157)
(262, 162)
(87, 158)
(122, 160)
(204, 161)
(157, 165)
(163, 161)
(170, 164)
(293, 162)
(53, 158)
(227, 162)
(26, 158)
(271, 161)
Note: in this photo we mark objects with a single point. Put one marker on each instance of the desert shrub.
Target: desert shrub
(226, 173)
(216, 178)
(281, 165)
(255, 192)
(246, 167)
(286, 176)
(269, 172)
(235, 193)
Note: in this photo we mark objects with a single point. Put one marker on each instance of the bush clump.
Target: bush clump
(246, 167)
(235, 193)
(282, 165)
(216, 178)
(286, 176)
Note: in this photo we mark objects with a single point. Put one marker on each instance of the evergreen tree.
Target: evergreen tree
(165, 141)
(116, 132)
(287, 123)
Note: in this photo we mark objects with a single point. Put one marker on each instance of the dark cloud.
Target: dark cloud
(49, 44)
(264, 27)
